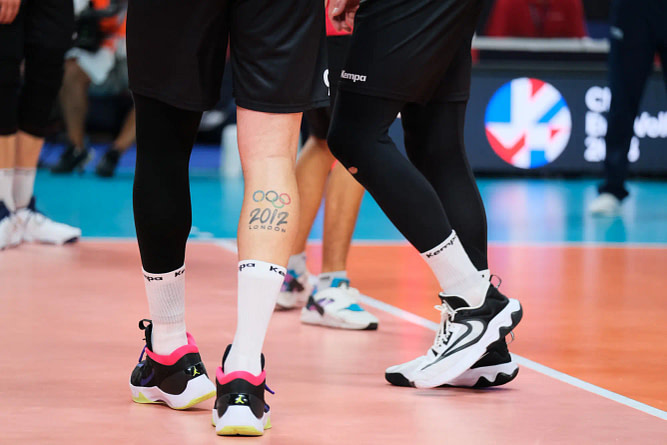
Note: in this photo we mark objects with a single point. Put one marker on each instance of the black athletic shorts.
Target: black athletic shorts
(177, 49)
(319, 118)
(412, 50)
(39, 23)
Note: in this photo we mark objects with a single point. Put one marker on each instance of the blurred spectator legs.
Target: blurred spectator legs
(637, 32)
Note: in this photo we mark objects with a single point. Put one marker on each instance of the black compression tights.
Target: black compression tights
(162, 209)
(426, 196)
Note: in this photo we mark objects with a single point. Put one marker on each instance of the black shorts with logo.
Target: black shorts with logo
(412, 50)
(319, 118)
(177, 50)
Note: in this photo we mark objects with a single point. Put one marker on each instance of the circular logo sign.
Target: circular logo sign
(528, 123)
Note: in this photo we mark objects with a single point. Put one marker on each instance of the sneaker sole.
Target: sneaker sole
(240, 421)
(52, 242)
(486, 376)
(314, 318)
(11, 245)
(498, 327)
(197, 390)
(482, 377)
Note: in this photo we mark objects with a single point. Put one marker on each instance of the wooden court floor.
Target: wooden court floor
(68, 318)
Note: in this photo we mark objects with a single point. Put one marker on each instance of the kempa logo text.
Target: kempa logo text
(353, 77)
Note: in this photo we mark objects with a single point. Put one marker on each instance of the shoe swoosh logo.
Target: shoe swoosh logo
(142, 382)
(474, 331)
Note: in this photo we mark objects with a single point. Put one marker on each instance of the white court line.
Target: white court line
(230, 245)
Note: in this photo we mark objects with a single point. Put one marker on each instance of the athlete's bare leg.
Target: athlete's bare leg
(7, 163)
(341, 208)
(267, 229)
(28, 148)
(74, 101)
(8, 151)
(267, 147)
(312, 169)
(128, 133)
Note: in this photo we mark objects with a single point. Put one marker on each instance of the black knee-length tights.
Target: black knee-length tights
(162, 208)
(427, 195)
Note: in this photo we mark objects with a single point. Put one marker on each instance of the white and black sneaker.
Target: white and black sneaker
(34, 226)
(10, 235)
(178, 380)
(495, 368)
(294, 291)
(240, 408)
(463, 338)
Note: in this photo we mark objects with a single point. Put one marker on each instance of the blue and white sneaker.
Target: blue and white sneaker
(294, 291)
(337, 307)
(36, 227)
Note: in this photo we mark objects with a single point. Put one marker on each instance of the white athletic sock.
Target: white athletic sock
(258, 286)
(6, 185)
(325, 279)
(455, 272)
(297, 263)
(166, 304)
(24, 184)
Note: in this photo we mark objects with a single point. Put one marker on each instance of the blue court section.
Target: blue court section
(519, 210)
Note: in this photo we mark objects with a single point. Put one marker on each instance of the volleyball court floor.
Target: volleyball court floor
(591, 345)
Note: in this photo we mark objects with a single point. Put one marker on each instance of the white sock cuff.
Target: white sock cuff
(333, 274)
(6, 187)
(24, 171)
(325, 279)
(450, 241)
(256, 267)
(167, 277)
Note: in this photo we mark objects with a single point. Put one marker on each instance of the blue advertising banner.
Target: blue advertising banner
(554, 121)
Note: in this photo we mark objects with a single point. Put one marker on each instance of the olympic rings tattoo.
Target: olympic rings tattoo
(273, 197)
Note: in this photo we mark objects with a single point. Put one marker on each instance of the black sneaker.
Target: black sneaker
(178, 380)
(239, 408)
(107, 165)
(72, 159)
(495, 368)
(464, 336)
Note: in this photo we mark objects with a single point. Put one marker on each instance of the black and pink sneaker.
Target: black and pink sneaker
(240, 409)
(178, 380)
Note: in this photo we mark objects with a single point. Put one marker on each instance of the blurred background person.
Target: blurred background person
(34, 35)
(536, 18)
(638, 30)
(99, 48)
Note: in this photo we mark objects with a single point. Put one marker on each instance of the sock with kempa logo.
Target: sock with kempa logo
(258, 287)
(166, 304)
(455, 272)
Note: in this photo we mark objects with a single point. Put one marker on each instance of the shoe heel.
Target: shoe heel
(238, 421)
(515, 316)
